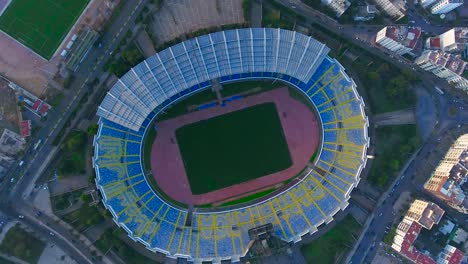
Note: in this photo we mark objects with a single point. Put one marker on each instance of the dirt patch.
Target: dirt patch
(9, 114)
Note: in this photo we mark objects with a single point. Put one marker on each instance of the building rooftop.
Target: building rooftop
(450, 255)
(433, 43)
(461, 34)
(25, 128)
(451, 40)
(431, 215)
(449, 61)
(455, 64)
(407, 36)
(407, 248)
(408, 231)
(365, 13)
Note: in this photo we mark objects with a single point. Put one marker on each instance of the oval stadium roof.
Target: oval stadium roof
(233, 55)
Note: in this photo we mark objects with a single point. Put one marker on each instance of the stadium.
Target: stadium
(132, 110)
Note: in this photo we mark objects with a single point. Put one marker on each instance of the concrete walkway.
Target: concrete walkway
(54, 255)
(13, 259)
(402, 117)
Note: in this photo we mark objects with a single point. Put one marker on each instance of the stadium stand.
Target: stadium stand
(177, 72)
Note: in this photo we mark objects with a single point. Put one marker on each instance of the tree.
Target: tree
(383, 68)
(394, 164)
(397, 87)
(132, 56)
(85, 198)
(405, 149)
(373, 76)
(415, 142)
(92, 129)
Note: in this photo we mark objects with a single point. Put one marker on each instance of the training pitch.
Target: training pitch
(233, 148)
(41, 25)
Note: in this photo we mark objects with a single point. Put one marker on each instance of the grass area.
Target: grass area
(56, 99)
(395, 144)
(312, 158)
(181, 107)
(230, 89)
(332, 247)
(22, 245)
(110, 240)
(388, 89)
(388, 238)
(62, 201)
(84, 217)
(127, 58)
(299, 96)
(452, 111)
(41, 24)
(147, 145)
(233, 148)
(73, 159)
(249, 197)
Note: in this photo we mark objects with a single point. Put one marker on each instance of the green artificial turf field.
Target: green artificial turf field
(41, 25)
(233, 148)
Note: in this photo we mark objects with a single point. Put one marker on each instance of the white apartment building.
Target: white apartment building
(454, 40)
(398, 39)
(445, 66)
(445, 6)
(427, 3)
(338, 6)
(394, 8)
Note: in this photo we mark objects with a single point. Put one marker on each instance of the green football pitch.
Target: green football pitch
(41, 25)
(233, 148)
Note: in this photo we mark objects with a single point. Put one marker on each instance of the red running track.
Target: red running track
(300, 128)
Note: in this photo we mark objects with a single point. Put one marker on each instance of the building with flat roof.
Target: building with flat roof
(422, 214)
(446, 180)
(444, 65)
(454, 40)
(394, 8)
(425, 213)
(450, 255)
(427, 3)
(338, 6)
(399, 39)
(365, 13)
(445, 6)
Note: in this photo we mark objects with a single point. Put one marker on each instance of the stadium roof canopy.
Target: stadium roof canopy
(177, 72)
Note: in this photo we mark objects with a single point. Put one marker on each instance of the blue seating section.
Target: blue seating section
(233, 55)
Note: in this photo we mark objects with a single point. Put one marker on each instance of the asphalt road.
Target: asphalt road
(11, 193)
